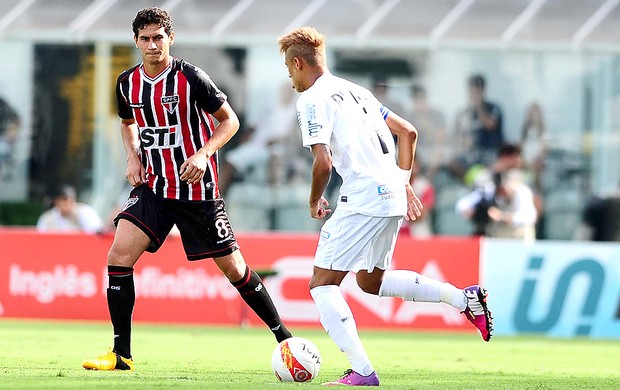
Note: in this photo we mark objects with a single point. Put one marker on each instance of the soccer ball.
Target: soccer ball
(296, 359)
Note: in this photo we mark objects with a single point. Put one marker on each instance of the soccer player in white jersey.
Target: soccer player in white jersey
(346, 127)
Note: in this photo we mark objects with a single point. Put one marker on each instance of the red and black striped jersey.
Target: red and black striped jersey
(173, 113)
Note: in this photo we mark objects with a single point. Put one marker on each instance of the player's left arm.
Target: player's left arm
(193, 169)
(407, 136)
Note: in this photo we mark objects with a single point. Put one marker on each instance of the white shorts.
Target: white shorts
(351, 242)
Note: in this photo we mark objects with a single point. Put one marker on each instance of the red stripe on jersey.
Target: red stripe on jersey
(197, 191)
(136, 96)
(171, 178)
(213, 160)
(136, 89)
(171, 173)
(190, 149)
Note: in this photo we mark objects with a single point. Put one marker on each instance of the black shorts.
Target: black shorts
(205, 229)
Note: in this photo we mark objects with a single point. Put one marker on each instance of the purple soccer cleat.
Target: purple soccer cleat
(477, 311)
(352, 378)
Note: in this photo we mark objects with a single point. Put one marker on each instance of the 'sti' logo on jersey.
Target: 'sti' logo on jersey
(170, 103)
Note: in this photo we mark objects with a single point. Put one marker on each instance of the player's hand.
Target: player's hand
(193, 169)
(494, 214)
(318, 210)
(135, 173)
(414, 205)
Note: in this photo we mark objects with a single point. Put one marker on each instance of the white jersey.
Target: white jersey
(350, 120)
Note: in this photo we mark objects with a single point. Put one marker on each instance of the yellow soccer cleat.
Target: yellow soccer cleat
(109, 361)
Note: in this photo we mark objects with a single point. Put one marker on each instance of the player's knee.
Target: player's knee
(316, 281)
(368, 284)
(233, 266)
(313, 283)
(369, 287)
(233, 273)
(120, 258)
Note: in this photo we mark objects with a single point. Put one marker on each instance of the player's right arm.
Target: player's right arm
(321, 172)
(135, 172)
(316, 131)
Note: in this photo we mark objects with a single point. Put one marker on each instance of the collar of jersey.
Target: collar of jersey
(156, 78)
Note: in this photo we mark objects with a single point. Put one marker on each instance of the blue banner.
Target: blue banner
(561, 289)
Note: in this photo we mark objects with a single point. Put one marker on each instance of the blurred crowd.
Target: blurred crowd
(263, 175)
(471, 178)
(474, 181)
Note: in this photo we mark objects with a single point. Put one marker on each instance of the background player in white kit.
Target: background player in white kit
(346, 127)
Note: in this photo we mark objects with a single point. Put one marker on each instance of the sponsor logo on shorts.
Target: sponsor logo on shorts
(130, 202)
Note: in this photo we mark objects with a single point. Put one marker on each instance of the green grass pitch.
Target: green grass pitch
(48, 355)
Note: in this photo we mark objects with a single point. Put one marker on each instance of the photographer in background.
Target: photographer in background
(475, 205)
(480, 206)
(514, 213)
(69, 215)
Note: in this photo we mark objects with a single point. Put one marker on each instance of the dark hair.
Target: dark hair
(477, 80)
(152, 15)
(64, 191)
(509, 149)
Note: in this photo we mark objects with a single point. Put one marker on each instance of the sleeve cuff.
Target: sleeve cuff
(404, 174)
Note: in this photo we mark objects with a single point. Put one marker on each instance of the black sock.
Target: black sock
(121, 299)
(255, 294)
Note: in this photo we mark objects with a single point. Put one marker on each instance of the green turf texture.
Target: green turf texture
(48, 355)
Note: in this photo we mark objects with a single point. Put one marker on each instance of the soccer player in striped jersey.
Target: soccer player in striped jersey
(345, 126)
(174, 119)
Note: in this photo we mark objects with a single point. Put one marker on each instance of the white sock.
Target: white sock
(337, 319)
(411, 286)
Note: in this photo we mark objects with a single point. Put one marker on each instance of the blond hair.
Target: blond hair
(304, 42)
